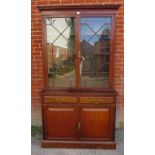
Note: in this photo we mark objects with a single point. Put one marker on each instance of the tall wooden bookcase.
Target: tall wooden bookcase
(78, 101)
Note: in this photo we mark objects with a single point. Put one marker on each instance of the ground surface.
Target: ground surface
(37, 150)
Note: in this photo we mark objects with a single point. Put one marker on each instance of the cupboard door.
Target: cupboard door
(96, 123)
(61, 122)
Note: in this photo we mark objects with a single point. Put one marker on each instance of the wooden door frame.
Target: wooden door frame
(71, 11)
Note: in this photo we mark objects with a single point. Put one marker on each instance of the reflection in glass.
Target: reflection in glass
(95, 51)
(61, 51)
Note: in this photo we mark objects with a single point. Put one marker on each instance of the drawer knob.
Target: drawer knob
(99, 100)
(96, 102)
(62, 100)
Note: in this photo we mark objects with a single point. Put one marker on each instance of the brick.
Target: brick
(37, 49)
(33, 20)
(33, 7)
(36, 25)
(36, 16)
(121, 13)
(103, 1)
(35, 37)
(42, 3)
(33, 3)
(33, 11)
(78, 1)
(90, 1)
(116, 0)
(37, 41)
(66, 1)
(54, 2)
(37, 33)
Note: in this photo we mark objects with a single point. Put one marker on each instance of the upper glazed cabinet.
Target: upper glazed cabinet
(79, 48)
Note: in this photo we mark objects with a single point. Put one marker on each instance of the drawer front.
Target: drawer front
(59, 99)
(97, 100)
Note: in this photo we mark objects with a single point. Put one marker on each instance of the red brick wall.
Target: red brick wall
(37, 54)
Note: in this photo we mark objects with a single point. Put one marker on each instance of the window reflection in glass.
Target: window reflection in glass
(95, 51)
(61, 51)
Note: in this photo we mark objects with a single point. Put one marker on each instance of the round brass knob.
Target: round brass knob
(99, 100)
(60, 100)
(96, 102)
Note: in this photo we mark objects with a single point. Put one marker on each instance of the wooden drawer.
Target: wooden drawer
(97, 100)
(59, 99)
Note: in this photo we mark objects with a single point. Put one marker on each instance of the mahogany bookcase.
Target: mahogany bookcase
(78, 100)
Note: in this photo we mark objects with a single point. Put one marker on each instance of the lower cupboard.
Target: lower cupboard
(78, 124)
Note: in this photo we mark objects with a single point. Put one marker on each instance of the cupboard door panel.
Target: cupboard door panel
(61, 122)
(96, 123)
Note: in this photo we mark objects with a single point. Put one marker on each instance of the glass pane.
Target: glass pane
(95, 51)
(61, 51)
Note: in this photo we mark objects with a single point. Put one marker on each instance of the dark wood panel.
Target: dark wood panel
(59, 99)
(75, 7)
(96, 123)
(96, 100)
(61, 122)
(79, 144)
